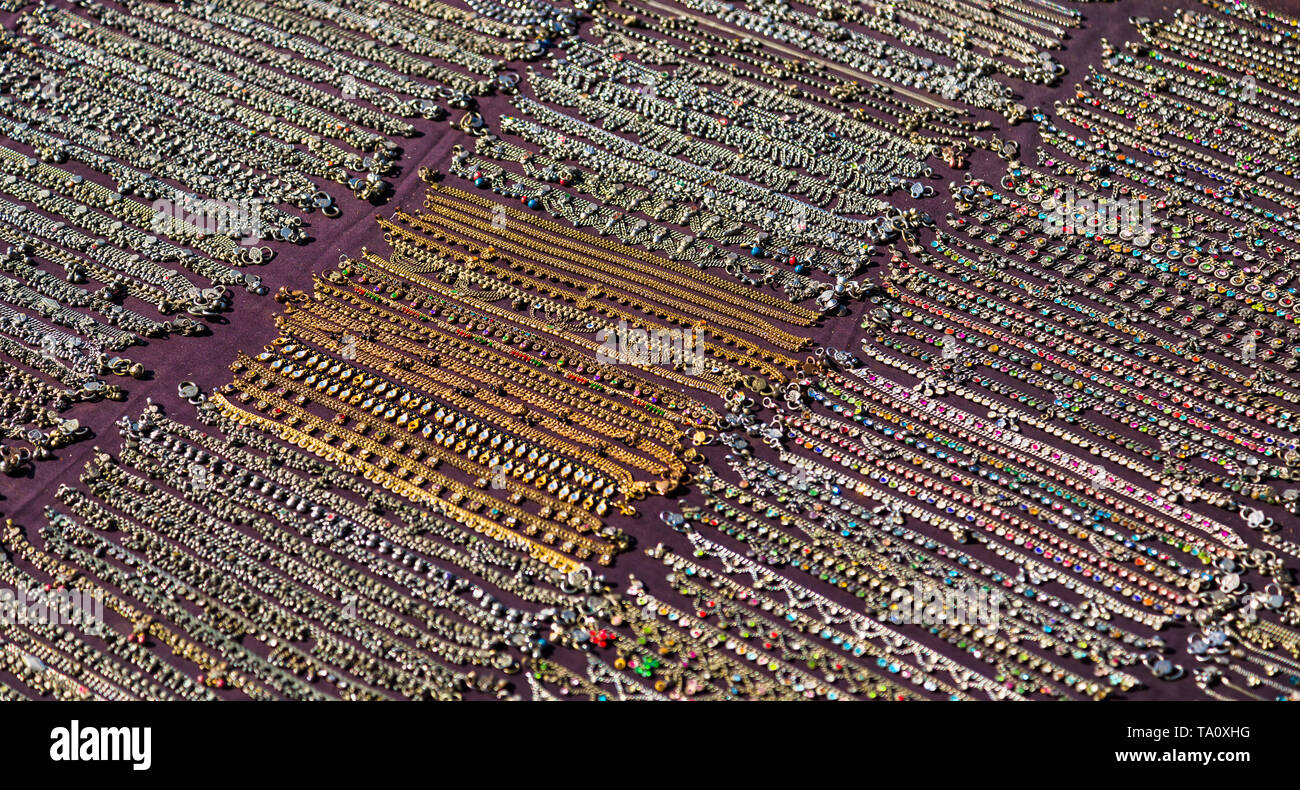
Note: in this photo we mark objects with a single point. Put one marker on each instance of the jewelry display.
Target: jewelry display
(763, 350)
(152, 150)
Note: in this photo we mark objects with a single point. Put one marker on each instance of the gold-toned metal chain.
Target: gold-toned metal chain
(512, 413)
(669, 466)
(392, 482)
(412, 424)
(719, 384)
(681, 408)
(726, 315)
(422, 247)
(425, 473)
(480, 363)
(758, 301)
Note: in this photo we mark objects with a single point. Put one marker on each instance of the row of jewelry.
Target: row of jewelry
(151, 150)
(554, 376)
(193, 566)
(181, 513)
(967, 464)
(1193, 129)
(1042, 319)
(1076, 626)
(238, 102)
(1160, 223)
(777, 160)
(202, 565)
